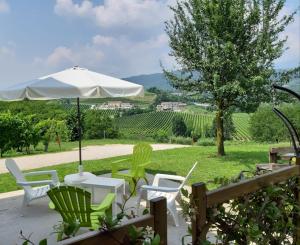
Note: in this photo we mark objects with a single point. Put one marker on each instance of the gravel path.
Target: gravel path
(88, 153)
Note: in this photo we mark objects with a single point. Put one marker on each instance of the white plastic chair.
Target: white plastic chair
(29, 192)
(149, 192)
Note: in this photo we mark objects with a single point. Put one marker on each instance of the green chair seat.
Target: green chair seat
(74, 204)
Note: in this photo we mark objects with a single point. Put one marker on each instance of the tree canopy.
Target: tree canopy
(227, 48)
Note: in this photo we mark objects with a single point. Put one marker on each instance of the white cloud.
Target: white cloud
(118, 13)
(102, 40)
(292, 55)
(63, 56)
(60, 55)
(119, 57)
(6, 52)
(4, 7)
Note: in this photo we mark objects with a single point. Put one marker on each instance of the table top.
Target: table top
(78, 178)
(103, 182)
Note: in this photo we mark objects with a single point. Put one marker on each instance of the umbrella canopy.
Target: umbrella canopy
(75, 82)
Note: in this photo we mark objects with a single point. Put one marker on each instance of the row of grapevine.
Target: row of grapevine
(147, 124)
(241, 123)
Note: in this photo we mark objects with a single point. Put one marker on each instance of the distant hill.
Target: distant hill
(158, 80)
(151, 80)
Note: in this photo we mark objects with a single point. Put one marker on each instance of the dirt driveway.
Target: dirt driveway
(88, 153)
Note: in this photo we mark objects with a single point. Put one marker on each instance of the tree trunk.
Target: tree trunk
(220, 131)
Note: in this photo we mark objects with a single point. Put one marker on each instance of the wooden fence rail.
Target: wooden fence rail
(157, 219)
(205, 199)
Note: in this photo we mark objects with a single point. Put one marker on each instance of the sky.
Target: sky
(115, 37)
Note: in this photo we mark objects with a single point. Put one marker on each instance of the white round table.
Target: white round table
(77, 179)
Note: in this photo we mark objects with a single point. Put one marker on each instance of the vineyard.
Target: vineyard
(147, 124)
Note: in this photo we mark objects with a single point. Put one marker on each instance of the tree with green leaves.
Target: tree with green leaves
(226, 48)
(179, 127)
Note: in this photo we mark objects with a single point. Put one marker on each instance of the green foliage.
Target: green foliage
(179, 127)
(181, 140)
(161, 136)
(66, 230)
(229, 129)
(262, 217)
(142, 235)
(72, 123)
(17, 132)
(98, 126)
(265, 126)
(52, 130)
(41, 109)
(226, 48)
(206, 142)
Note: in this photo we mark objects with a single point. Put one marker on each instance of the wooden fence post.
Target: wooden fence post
(158, 208)
(199, 198)
(297, 196)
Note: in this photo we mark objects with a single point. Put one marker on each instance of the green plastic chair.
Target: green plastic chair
(139, 160)
(74, 204)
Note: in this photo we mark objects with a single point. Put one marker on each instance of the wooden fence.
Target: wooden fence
(157, 219)
(206, 199)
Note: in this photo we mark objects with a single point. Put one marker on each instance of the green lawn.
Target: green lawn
(240, 156)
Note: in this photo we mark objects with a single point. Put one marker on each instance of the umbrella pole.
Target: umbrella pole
(80, 167)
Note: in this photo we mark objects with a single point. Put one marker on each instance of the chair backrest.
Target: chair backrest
(142, 153)
(72, 203)
(13, 168)
(188, 175)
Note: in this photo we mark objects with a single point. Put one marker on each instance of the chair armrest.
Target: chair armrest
(159, 188)
(53, 174)
(158, 177)
(169, 177)
(106, 203)
(145, 164)
(121, 160)
(115, 166)
(40, 172)
(31, 183)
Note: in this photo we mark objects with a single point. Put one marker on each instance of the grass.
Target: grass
(240, 156)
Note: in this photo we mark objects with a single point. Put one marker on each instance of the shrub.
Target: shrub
(161, 136)
(50, 130)
(98, 126)
(16, 132)
(179, 127)
(206, 142)
(181, 140)
(265, 126)
(195, 135)
(72, 123)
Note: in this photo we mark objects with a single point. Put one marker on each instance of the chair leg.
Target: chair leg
(25, 201)
(173, 211)
(138, 203)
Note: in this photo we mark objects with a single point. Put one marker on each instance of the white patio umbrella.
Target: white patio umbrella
(75, 82)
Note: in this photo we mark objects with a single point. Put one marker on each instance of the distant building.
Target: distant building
(171, 106)
(204, 105)
(113, 105)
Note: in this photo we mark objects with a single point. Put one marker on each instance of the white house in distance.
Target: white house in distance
(113, 105)
(171, 106)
